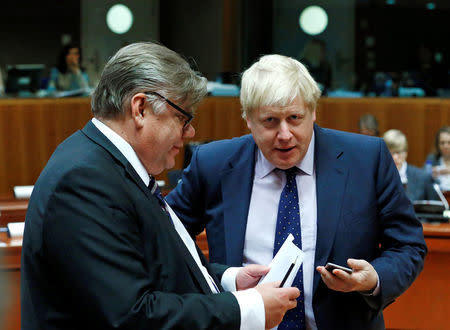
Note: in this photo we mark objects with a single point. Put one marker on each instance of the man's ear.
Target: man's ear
(249, 124)
(138, 108)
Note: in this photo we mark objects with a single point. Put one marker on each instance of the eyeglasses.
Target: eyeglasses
(189, 116)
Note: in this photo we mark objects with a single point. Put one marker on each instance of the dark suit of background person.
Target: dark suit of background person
(362, 213)
(418, 184)
(98, 249)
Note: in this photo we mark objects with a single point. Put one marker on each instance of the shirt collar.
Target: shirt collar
(125, 148)
(263, 167)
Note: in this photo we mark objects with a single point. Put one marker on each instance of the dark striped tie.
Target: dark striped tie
(154, 189)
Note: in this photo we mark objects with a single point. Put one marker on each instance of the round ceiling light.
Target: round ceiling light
(119, 19)
(313, 20)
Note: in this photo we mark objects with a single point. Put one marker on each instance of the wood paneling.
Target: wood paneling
(10, 250)
(419, 119)
(31, 129)
(425, 305)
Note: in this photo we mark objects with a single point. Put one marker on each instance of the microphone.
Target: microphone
(441, 195)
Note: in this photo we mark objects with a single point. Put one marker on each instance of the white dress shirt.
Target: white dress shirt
(402, 172)
(262, 217)
(250, 301)
(444, 179)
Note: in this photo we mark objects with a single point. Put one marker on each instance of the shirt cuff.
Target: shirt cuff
(251, 306)
(229, 279)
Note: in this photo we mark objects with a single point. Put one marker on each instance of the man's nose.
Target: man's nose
(284, 132)
(188, 132)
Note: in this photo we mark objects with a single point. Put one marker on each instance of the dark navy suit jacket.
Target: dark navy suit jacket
(362, 212)
(99, 252)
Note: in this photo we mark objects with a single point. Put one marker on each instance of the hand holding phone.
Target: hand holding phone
(330, 266)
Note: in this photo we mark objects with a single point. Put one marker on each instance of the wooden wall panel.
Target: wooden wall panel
(419, 119)
(31, 129)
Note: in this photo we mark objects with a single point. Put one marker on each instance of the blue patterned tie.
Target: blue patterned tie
(288, 222)
(154, 189)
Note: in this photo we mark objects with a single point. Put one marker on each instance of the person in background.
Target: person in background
(440, 159)
(314, 57)
(68, 75)
(101, 247)
(418, 184)
(368, 125)
(338, 193)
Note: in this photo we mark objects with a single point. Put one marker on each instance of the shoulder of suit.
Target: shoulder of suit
(228, 145)
(346, 139)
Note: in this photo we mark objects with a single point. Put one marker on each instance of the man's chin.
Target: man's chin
(170, 163)
(284, 164)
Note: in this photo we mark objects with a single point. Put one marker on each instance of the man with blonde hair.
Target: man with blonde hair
(418, 184)
(338, 193)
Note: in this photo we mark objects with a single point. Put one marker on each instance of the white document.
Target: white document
(288, 260)
(23, 191)
(15, 229)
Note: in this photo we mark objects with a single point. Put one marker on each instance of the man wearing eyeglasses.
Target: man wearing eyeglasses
(101, 248)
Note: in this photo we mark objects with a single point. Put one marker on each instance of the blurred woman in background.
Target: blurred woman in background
(440, 159)
(68, 75)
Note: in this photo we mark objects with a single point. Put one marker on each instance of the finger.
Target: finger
(257, 270)
(342, 274)
(294, 293)
(357, 264)
(325, 273)
(322, 270)
(292, 304)
(328, 279)
(274, 284)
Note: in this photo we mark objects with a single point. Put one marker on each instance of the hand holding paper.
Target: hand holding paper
(285, 264)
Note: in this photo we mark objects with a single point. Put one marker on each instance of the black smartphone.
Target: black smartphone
(330, 266)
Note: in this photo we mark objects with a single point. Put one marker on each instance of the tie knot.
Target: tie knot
(291, 173)
(154, 189)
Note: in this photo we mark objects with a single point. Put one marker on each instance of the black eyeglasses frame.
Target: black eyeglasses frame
(189, 115)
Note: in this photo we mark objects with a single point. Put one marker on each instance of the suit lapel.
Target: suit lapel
(237, 183)
(182, 249)
(93, 133)
(331, 176)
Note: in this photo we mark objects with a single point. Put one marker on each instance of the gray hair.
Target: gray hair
(276, 80)
(368, 121)
(395, 140)
(146, 67)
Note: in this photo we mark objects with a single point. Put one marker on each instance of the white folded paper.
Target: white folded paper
(15, 229)
(23, 191)
(288, 255)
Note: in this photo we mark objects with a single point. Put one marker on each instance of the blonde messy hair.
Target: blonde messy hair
(276, 80)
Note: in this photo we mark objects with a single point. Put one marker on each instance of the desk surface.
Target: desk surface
(420, 307)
